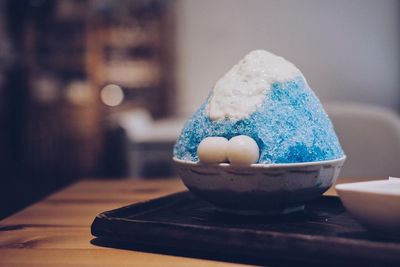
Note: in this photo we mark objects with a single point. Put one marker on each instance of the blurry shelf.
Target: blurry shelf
(140, 52)
(130, 45)
(133, 73)
(131, 36)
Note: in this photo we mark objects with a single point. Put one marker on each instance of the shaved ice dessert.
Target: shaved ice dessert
(266, 98)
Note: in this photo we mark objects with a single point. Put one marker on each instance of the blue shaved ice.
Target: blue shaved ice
(267, 98)
(290, 126)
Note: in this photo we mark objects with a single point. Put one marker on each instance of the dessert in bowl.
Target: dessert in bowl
(261, 142)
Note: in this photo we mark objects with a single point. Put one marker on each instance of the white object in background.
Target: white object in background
(213, 150)
(148, 141)
(140, 127)
(370, 137)
(394, 178)
(376, 204)
(137, 123)
(242, 150)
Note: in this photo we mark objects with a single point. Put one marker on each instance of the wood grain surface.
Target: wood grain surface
(56, 231)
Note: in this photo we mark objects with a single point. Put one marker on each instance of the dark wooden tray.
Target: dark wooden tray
(182, 224)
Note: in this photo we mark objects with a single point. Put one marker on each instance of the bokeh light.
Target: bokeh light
(112, 95)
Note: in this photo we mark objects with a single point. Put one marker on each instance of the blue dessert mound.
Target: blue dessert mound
(290, 126)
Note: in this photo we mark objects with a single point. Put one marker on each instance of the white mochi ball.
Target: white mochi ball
(242, 150)
(213, 150)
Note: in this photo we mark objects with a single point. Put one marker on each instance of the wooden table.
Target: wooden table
(56, 231)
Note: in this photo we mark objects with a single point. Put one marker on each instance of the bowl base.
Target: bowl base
(262, 212)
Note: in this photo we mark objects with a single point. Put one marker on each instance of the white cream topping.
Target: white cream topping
(243, 88)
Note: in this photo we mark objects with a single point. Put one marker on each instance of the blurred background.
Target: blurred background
(101, 88)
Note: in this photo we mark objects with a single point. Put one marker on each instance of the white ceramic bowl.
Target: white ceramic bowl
(259, 188)
(376, 204)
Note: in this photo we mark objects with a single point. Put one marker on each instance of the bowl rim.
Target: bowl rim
(263, 165)
(373, 187)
